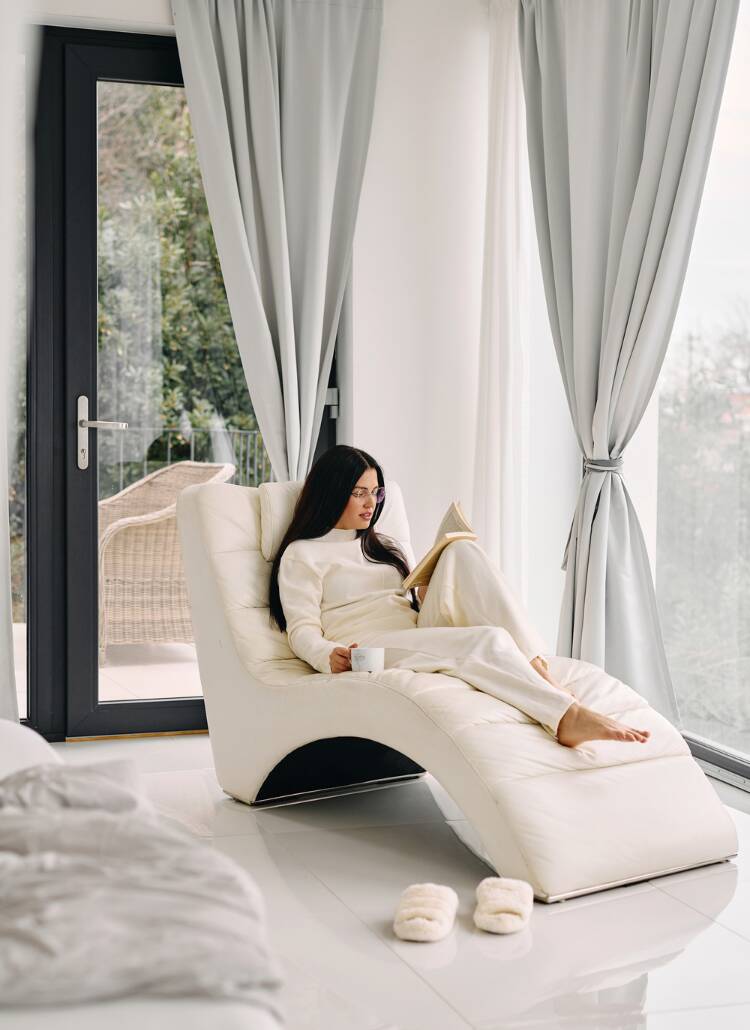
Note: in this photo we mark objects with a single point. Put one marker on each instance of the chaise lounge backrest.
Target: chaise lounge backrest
(242, 528)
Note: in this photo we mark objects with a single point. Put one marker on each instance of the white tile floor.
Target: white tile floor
(667, 954)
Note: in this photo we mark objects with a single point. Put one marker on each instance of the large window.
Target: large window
(168, 364)
(703, 541)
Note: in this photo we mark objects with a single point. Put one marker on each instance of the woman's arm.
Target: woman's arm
(301, 593)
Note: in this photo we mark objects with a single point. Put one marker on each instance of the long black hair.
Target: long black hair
(324, 495)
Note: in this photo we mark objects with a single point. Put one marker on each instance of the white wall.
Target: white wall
(115, 15)
(554, 467)
(418, 255)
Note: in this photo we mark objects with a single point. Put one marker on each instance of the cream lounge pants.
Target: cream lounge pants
(472, 626)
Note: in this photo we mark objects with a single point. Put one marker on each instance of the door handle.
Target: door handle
(96, 424)
(83, 424)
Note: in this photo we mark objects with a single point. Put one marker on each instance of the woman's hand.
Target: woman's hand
(341, 658)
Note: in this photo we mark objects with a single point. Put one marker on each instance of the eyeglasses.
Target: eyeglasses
(361, 491)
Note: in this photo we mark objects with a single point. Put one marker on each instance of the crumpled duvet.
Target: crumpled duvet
(101, 896)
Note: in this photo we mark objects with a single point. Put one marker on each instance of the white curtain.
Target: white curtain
(13, 134)
(621, 103)
(281, 95)
(130, 361)
(500, 499)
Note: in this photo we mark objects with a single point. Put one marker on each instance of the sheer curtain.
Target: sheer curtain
(15, 41)
(281, 95)
(621, 103)
(499, 507)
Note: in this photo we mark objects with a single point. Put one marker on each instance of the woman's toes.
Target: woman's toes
(632, 735)
(580, 724)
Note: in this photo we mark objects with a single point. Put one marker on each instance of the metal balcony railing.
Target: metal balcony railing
(167, 445)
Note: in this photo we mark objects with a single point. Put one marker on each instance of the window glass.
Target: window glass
(703, 528)
(168, 365)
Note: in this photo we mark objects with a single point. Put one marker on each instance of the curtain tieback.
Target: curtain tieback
(592, 465)
(602, 465)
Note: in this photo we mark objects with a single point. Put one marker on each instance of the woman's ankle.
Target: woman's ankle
(571, 713)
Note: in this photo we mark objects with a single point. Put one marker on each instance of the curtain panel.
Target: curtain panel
(281, 95)
(16, 39)
(621, 106)
(499, 504)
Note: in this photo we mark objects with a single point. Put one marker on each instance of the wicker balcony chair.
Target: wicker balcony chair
(142, 592)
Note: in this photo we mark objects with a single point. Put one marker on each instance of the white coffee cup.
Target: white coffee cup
(368, 659)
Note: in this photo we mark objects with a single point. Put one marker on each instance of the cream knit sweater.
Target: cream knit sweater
(333, 596)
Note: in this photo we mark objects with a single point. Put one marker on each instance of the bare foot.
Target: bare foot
(580, 724)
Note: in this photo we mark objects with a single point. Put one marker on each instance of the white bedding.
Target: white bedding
(102, 897)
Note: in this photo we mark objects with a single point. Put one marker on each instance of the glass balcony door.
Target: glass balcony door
(149, 353)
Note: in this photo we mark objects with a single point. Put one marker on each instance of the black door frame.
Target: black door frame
(62, 578)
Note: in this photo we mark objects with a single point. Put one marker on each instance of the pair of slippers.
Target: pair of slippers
(426, 911)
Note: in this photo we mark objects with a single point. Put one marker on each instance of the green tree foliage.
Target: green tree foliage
(703, 552)
(153, 213)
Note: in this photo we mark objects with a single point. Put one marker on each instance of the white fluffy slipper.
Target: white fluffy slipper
(425, 912)
(503, 904)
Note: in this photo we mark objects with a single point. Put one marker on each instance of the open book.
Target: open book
(455, 526)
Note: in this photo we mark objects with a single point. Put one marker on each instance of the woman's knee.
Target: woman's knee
(468, 546)
(495, 639)
(466, 563)
(460, 555)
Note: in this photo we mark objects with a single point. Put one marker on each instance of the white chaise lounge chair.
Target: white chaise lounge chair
(570, 821)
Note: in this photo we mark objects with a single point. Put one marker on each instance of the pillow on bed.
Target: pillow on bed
(20, 747)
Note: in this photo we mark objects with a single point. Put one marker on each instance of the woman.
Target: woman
(335, 578)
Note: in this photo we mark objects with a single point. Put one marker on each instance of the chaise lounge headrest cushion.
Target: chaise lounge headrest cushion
(277, 501)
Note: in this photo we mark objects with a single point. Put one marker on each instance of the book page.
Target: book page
(423, 572)
(454, 521)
